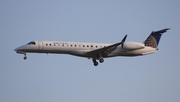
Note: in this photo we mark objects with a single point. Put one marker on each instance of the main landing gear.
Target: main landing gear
(95, 62)
(101, 60)
(25, 57)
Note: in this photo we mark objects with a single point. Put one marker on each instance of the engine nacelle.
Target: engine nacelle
(132, 45)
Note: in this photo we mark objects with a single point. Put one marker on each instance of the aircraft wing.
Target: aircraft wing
(105, 50)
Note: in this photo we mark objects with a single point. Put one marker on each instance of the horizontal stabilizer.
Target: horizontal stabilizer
(161, 31)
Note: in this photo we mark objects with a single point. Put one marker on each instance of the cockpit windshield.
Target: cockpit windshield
(31, 43)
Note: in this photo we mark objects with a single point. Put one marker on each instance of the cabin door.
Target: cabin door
(40, 45)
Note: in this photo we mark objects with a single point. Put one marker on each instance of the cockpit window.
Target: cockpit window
(32, 43)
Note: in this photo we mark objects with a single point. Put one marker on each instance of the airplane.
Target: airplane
(95, 51)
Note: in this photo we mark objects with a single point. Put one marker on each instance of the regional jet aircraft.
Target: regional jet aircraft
(95, 51)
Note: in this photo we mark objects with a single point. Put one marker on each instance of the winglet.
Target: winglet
(124, 39)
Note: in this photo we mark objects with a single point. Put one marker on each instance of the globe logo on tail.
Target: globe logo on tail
(151, 41)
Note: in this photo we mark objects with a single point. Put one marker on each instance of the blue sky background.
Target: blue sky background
(65, 78)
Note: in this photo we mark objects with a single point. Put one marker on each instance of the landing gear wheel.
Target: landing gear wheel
(95, 63)
(25, 57)
(101, 60)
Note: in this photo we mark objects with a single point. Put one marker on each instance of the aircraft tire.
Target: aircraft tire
(25, 58)
(95, 63)
(101, 60)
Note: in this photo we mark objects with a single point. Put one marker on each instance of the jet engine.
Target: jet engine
(132, 45)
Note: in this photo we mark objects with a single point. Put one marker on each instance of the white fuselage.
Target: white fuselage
(80, 49)
(95, 51)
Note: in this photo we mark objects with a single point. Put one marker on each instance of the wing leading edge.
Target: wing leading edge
(105, 50)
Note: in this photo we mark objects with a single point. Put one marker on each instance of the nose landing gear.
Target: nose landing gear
(25, 57)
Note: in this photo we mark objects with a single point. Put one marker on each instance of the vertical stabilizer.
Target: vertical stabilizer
(154, 38)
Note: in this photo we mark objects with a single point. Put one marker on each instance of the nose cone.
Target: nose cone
(16, 49)
(20, 49)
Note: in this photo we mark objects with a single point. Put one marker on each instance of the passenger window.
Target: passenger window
(49, 44)
(91, 45)
(83, 45)
(96, 46)
(75, 45)
(46, 44)
(87, 45)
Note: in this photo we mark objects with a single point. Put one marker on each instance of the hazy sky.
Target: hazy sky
(65, 78)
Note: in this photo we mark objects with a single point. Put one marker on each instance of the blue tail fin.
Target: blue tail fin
(154, 38)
